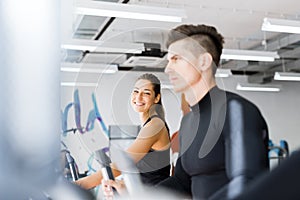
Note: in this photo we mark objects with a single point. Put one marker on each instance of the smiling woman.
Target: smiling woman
(151, 149)
(153, 161)
(143, 96)
(146, 96)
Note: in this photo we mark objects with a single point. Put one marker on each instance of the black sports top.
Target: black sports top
(155, 165)
(223, 145)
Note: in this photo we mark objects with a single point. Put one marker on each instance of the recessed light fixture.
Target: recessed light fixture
(257, 88)
(281, 25)
(78, 84)
(287, 76)
(223, 73)
(239, 54)
(89, 68)
(108, 9)
(100, 46)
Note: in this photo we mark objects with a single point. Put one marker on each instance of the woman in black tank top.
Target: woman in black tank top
(150, 150)
(151, 147)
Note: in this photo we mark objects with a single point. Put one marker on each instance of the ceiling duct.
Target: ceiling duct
(261, 78)
(145, 61)
(151, 59)
(153, 49)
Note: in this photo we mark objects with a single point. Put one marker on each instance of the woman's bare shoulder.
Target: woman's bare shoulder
(152, 128)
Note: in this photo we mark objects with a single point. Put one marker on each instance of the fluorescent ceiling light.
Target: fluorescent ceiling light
(281, 25)
(287, 76)
(78, 84)
(89, 68)
(258, 88)
(238, 54)
(108, 9)
(223, 73)
(100, 46)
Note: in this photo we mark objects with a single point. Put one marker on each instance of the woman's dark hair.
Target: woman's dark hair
(157, 90)
(155, 83)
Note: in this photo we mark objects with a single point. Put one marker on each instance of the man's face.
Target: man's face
(182, 67)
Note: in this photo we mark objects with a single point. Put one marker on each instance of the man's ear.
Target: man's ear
(157, 98)
(205, 61)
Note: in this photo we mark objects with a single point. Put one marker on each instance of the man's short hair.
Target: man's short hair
(206, 36)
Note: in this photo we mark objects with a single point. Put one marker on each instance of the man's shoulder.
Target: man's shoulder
(231, 96)
(234, 100)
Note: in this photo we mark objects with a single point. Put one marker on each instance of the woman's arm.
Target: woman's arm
(90, 181)
(95, 179)
(149, 135)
